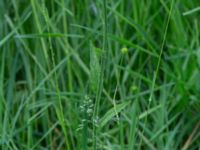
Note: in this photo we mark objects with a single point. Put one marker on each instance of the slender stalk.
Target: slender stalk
(158, 66)
(103, 65)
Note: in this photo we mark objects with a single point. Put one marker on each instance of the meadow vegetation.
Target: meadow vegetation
(99, 74)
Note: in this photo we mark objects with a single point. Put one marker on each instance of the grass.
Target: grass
(99, 75)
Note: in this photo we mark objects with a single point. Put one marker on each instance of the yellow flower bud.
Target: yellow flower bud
(124, 50)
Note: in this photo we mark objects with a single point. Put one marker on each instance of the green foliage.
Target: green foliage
(110, 75)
